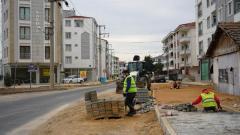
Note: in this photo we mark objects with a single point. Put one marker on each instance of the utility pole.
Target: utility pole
(100, 46)
(52, 45)
(51, 33)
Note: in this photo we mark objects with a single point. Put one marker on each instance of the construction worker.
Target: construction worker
(129, 91)
(210, 101)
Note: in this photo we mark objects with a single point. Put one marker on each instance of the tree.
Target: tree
(158, 67)
(149, 63)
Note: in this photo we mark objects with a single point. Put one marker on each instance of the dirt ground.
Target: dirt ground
(187, 94)
(74, 121)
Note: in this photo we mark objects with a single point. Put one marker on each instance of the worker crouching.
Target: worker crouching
(210, 101)
(129, 91)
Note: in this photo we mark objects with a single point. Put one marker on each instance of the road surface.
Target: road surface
(19, 109)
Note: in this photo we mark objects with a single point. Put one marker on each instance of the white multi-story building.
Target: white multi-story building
(102, 60)
(25, 39)
(80, 46)
(179, 50)
(208, 14)
(115, 67)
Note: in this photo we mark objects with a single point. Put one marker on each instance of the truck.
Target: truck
(137, 70)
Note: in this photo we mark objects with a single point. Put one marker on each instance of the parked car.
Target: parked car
(160, 79)
(73, 79)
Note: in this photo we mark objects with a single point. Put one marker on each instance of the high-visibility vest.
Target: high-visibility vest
(208, 100)
(133, 87)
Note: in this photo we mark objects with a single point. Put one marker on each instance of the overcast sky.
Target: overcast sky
(132, 21)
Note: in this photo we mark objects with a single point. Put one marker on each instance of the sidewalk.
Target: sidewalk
(45, 87)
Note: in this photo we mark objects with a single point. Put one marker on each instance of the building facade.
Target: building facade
(115, 67)
(225, 54)
(25, 28)
(80, 46)
(180, 53)
(208, 14)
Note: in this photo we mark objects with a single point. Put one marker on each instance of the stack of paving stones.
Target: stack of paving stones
(142, 95)
(91, 96)
(104, 108)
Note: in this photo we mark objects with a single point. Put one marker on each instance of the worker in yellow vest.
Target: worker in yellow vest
(210, 101)
(129, 91)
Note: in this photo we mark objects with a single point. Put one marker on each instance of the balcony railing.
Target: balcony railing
(184, 39)
(185, 52)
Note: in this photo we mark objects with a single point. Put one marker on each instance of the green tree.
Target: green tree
(149, 63)
(158, 67)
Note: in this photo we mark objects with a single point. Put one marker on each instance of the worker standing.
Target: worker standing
(129, 91)
(210, 101)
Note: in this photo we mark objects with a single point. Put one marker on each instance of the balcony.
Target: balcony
(185, 52)
(183, 65)
(185, 40)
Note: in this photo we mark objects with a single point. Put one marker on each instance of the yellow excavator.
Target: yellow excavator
(136, 68)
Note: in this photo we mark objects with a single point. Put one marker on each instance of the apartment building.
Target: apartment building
(115, 67)
(80, 51)
(180, 53)
(102, 59)
(25, 29)
(208, 14)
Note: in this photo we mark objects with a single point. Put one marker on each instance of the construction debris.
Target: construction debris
(103, 108)
(181, 107)
(142, 95)
(147, 106)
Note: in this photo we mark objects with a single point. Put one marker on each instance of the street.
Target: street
(17, 110)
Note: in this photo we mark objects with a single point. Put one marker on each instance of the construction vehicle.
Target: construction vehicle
(137, 70)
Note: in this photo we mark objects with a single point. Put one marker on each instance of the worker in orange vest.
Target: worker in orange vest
(210, 101)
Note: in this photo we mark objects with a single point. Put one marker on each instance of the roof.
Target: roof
(231, 29)
(78, 17)
(186, 25)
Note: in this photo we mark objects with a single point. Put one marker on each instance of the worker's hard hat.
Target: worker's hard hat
(205, 90)
(125, 71)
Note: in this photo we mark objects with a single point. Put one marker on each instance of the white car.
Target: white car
(73, 79)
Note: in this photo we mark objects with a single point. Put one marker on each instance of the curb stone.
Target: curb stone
(165, 125)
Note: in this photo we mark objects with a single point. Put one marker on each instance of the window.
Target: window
(76, 57)
(24, 32)
(24, 13)
(214, 18)
(230, 8)
(208, 22)
(47, 52)
(236, 6)
(25, 52)
(47, 33)
(208, 3)
(209, 41)
(68, 47)
(68, 35)
(47, 14)
(78, 23)
(200, 9)
(200, 29)
(68, 23)
(200, 48)
(223, 76)
(76, 45)
(213, 2)
(68, 59)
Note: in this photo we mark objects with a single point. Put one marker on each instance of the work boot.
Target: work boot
(129, 114)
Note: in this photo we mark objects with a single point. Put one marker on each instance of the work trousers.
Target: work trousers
(210, 109)
(129, 101)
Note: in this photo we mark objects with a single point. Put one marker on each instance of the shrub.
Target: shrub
(7, 80)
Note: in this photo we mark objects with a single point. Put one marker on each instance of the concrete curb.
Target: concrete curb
(230, 108)
(165, 125)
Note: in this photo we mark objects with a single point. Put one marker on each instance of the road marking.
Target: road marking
(28, 127)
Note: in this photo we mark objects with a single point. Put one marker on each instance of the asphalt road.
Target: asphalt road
(19, 109)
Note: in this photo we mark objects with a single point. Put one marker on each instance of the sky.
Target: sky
(136, 27)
